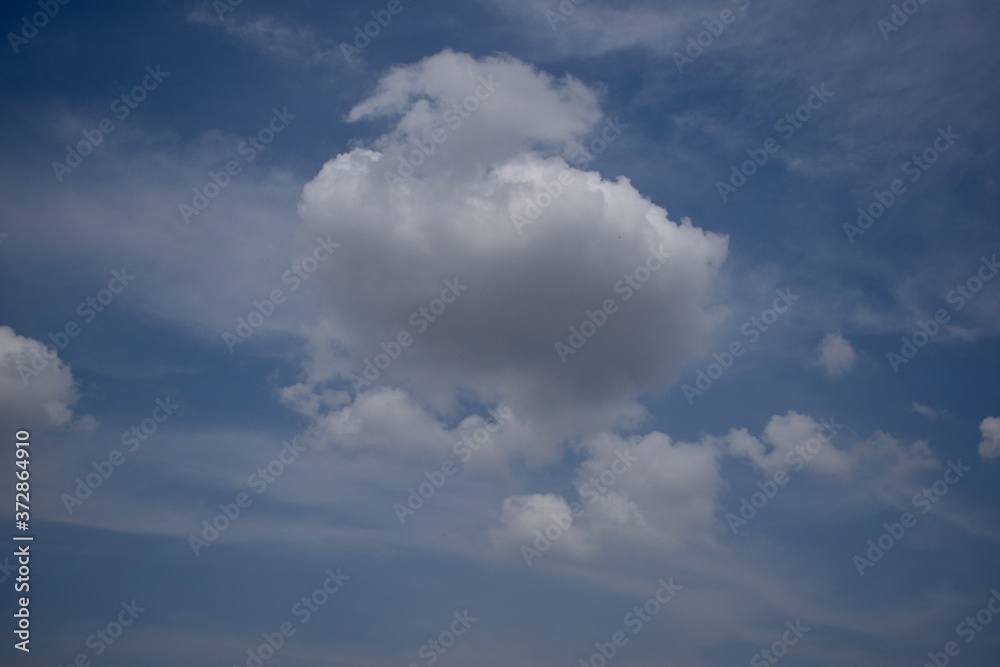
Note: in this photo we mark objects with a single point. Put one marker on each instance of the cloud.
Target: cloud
(587, 30)
(989, 446)
(642, 490)
(523, 515)
(442, 238)
(653, 492)
(638, 491)
(523, 109)
(663, 491)
(800, 441)
(191, 275)
(897, 458)
(791, 439)
(929, 412)
(836, 354)
(36, 390)
(271, 37)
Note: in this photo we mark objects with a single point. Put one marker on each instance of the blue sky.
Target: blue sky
(510, 333)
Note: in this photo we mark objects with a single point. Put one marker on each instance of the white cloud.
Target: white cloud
(653, 492)
(795, 441)
(789, 439)
(523, 515)
(836, 354)
(667, 496)
(989, 446)
(191, 275)
(896, 457)
(36, 391)
(451, 220)
(523, 109)
(642, 490)
(929, 412)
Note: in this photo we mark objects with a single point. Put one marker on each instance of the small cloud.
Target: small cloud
(989, 446)
(929, 412)
(836, 354)
(783, 435)
(85, 424)
(37, 389)
(271, 37)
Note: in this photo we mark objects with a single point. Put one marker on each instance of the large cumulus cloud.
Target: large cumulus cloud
(520, 290)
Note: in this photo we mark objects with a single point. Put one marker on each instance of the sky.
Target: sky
(500, 333)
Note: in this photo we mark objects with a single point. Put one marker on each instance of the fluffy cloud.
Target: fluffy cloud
(662, 491)
(524, 518)
(800, 441)
(642, 490)
(989, 446)
(465, 308)
(654, 492)
(836, 354)
(790, 440)
(36, 391)
(497, 100)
